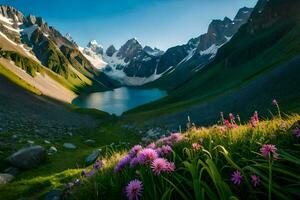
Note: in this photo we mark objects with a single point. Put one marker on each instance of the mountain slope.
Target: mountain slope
(258, 64)
(198, 52)
(35, 47)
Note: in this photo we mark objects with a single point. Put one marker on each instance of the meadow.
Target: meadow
(230, 160)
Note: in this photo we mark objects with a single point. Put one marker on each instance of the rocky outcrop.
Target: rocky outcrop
(110, 50)
(28, 158)
(6, 178)
(183, 61)
(130, 50)
(11, 13)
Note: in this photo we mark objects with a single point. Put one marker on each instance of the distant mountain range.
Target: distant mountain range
(261, 62)
(76, 68)
(134, 64)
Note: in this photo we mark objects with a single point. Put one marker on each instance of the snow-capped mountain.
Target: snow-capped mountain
(134, 64)
(42, 57)
(130, 65)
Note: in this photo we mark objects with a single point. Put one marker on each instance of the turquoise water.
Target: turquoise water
(119, 100)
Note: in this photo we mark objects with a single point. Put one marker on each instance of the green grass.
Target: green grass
(12, 77)
(65, 165)
(205, 173)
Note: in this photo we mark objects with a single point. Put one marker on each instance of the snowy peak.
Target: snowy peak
(95, 47)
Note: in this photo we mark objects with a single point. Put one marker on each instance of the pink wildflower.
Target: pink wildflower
(196, 146)
(159, 165)
(162, 165)
(170, 167)
(134, 190)
(269, 150)
(151, 145)
(231, 116)
(236, 177)
(255, 180)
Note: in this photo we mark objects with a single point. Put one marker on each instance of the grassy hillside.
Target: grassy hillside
(206, 160)
(12, 77)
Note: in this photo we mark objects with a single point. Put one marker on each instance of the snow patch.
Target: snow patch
(11, 28)
(120, 76)
(6, 20)
(19, 45)
(95, 59)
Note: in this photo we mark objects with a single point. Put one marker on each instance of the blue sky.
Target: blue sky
(157, 23)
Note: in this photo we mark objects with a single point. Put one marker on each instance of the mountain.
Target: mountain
(45, 54)
(259, 63)
(134, 64)
(181, 62)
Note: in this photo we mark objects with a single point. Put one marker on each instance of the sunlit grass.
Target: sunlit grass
(206, 173)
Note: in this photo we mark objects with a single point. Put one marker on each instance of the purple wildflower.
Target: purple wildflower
(134, 190)
(147, 155)
(122, 163)
(165, 150)
(135, 150)
(134, 162)
(98, 164)
(297, 132)
(236, 177)
(255, 180)
(269, 150)
(89, 173)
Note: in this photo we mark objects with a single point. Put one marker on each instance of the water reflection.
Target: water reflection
(118, 100)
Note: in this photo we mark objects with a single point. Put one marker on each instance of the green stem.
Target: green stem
(279, 113)
(270, 177)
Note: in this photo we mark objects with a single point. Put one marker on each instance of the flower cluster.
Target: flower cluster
(152, 157)
(171, 140)
(230, 124)
(236, 178)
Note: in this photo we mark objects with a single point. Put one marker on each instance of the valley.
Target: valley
(216, 117)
